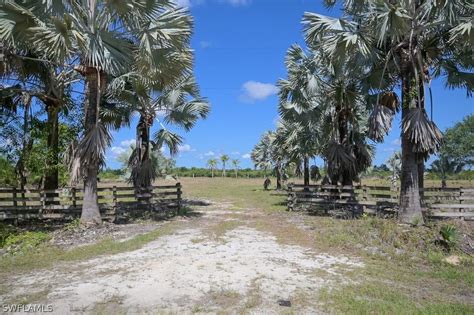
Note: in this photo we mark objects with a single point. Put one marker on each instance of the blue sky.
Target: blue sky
(239, 48)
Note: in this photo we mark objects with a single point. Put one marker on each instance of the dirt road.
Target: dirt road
(216, 261)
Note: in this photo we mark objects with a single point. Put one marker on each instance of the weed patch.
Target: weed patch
(46, 256)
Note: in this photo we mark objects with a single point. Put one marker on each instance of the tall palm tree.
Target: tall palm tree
(322, 112)
(212, 164)
(235, 164)
(177, 104)
(224, 158)
(298, 106)
(405, 43)
(100, 40)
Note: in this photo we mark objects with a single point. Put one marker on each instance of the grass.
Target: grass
(46, 256)
(217, 231)
(224, 299)
(242, 192)
(404, 271)
(376, 298)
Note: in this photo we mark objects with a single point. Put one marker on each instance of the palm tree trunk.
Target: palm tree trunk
(26, 145)
(410, 201)
(278, 176)
(143, 150)
(346, 178)
(421, 179)
(306, 171)
(90, 207)
(51, 178)
(223, 169)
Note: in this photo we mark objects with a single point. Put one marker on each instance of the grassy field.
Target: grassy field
(405, 270)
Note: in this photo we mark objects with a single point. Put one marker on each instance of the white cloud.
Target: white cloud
(117, 150)
(257, 91)
(397, 141)
(185, 148)
(127, 143)
(246, 156)
(235, 153)
(210, 153)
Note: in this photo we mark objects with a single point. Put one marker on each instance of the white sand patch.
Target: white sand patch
(174, 273)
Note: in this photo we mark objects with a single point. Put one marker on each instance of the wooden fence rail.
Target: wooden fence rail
(114, 201)
(437, 202)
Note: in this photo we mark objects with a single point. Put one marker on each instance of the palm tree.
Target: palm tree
(100, 40)
(268, 154)
(298, 107)
(212, 164)
(395, 165)
(235, 164)
(407, 43)
(322, 113)
(224, 158)
(445, 166)
(177, 104)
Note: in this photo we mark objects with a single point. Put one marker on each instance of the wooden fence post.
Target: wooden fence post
(178, 195)
(364, 198)
(73, 197)
(43, 195)
(15, 202)
(460, 201)
(114, 200)
(290, 201)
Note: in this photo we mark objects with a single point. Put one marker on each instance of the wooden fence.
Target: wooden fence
(437, 202)
(66, 203)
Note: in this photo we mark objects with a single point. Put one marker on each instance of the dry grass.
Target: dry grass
(404, 271)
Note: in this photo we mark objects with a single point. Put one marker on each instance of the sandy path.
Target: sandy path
(243, 270)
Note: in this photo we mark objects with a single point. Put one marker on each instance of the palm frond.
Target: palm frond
(380, 122)
(423, 133)
(168, 138)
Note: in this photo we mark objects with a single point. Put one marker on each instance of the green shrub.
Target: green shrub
(5, 232)
(450, 236)
(19, 243)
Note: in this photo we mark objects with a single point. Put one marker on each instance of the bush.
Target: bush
(20, 243)
(450, 236)
(7, 173)
(5, 232)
